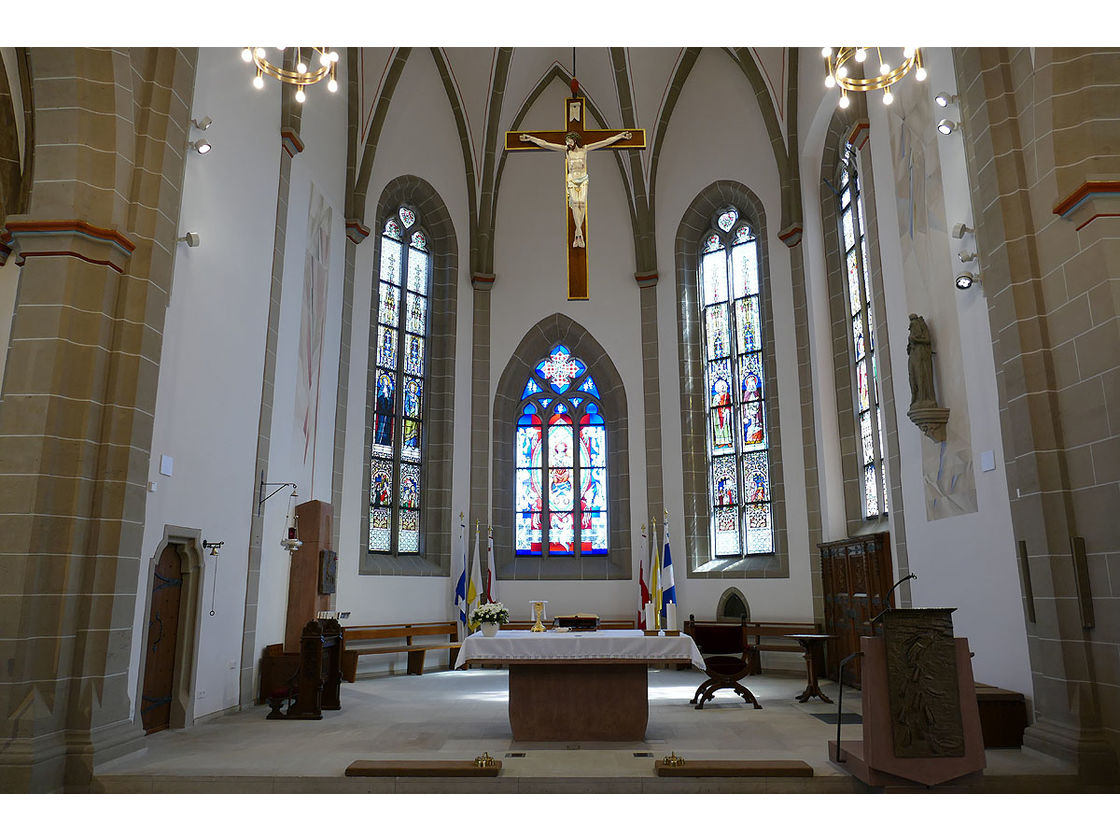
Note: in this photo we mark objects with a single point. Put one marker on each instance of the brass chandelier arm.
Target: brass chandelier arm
(847, 54)
(292, 77)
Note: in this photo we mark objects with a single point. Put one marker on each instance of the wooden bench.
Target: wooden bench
(414, 639)
(774, 633)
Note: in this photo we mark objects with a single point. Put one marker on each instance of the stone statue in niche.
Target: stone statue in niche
(920, 363)
(924, 410)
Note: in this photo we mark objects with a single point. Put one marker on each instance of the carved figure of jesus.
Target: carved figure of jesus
(576, 154)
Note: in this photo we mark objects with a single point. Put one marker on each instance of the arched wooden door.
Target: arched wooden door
(163, 631)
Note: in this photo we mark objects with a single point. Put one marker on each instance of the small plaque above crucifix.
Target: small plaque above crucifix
(576, 141)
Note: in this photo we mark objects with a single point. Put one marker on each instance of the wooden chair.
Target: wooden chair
(727, 656)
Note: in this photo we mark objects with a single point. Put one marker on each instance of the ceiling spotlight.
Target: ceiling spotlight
(965, 279)
(945, 99)
(201, 146)
(191, 238)
(202, 124)
(947, 127)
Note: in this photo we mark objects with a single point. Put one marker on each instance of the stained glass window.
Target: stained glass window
(560, 467)
(732, 342)
(864, 365)
(396, 452)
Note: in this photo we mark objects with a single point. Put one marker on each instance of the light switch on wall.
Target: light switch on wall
(987, 460)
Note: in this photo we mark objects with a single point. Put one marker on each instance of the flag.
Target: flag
(474, 583)
(491, 577)
(643, 588)
(654, 576)
(668, 584)
(459, 571)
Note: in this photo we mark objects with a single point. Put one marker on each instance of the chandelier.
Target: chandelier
(313, 64)
(851, 68)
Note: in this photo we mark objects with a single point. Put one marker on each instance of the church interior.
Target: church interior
(832, 358)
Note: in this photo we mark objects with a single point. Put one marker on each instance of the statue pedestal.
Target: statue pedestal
(921, 723)
(931, 421)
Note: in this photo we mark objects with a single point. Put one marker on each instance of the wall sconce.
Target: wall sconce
(945, 99)
(201, 146)
(965, 280)
(191, 238)
(947, 127)
(214, 547)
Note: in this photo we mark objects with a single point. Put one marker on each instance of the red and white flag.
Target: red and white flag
(643, 587)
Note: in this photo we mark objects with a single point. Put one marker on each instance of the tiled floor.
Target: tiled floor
(461, 714)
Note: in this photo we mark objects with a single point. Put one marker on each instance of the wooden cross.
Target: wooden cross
(574, 111)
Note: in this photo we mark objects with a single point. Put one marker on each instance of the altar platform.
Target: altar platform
(456, 715)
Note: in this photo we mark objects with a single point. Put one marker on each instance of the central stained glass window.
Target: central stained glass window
(734, 374)
(561, 461)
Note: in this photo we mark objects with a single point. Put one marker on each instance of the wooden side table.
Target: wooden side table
(812, 644)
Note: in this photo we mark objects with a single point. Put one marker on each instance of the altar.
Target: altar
(578, 686)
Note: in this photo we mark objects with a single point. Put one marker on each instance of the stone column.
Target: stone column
(1041, 141)
(480, 405)
(96, 246)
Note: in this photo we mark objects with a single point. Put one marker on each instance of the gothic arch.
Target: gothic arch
(617, 563)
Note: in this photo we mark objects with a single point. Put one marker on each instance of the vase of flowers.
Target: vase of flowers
(490, 617)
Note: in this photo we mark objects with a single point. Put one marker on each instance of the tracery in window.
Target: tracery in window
(738, 443)
(396, 453)
(865, 373)
(561, 447)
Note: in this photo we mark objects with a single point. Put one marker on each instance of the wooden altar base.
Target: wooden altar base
(737, 769)
(422, 768)
(552, 701)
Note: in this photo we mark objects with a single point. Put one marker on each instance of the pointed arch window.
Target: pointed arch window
(863, 360)
(738, 442)
(396, 452)
(561, 446)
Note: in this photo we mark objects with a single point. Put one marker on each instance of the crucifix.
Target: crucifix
(576, 141)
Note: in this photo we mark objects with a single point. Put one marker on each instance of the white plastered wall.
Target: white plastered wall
(695, 155)
(209, 392)
(964, 561)
(420, 138)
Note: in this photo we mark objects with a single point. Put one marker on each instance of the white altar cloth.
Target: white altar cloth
(632, 645)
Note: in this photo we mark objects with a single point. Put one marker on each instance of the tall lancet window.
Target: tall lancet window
(865, 372)
(396, 453)
(737, 434)
(560, 461)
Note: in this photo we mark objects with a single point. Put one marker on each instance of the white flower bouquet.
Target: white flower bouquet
(494, 612)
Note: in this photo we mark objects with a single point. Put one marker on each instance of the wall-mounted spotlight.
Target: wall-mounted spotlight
(213, 546)
(966, 257)
(965, 279)
(960, 229)
(191, 238)
(202, 124)
(947, 126)
(945, 99)
(201, 146)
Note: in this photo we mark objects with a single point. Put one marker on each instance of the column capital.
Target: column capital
(69, 237)
(1091, 200)
(646, 279)
(291, 141)
(791, 235)
(859, 133)
(356, 232)
(482, 282)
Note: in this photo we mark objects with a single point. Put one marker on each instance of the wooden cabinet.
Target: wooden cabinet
(856, 575)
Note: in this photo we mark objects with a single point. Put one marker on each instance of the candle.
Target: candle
(671, 616)
(649, 617)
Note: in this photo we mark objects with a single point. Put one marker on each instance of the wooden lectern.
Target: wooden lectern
(921, 724)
